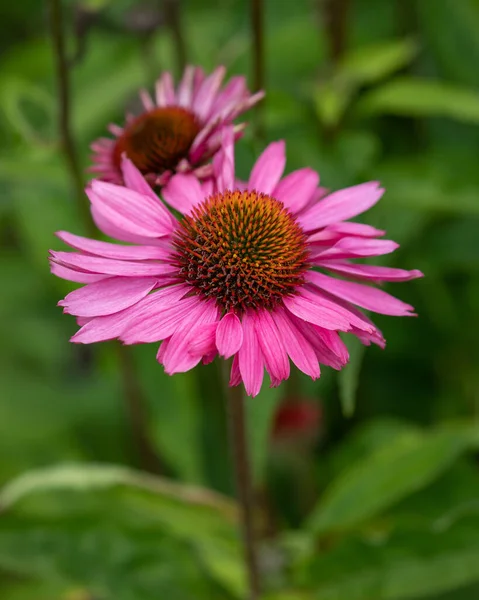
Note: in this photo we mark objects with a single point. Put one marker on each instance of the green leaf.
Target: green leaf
(120, 534)
(411, 564)
(348, 378)
(414, 97)
(371, 63)
(409, 463)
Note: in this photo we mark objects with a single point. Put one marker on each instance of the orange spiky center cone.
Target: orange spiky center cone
(244, 249)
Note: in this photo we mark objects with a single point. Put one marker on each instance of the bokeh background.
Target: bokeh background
(367, 480)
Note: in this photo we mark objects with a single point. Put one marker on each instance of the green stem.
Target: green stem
(244, 489)
(257, 27)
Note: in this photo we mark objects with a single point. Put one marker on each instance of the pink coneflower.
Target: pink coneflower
(242, 274)
(179, 131)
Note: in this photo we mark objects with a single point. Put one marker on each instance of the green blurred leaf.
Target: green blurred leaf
(409, 463)
(411, 564)
(411, 97)
(348, 378)
(371, 63)
(120, 534)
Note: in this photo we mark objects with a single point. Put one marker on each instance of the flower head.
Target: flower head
(179, 131)
(242, 274)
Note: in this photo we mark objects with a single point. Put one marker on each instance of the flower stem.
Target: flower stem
(257, 26)
(239, 448)
(64, 110)
(173, 19)
(131, 387)
(336, 21)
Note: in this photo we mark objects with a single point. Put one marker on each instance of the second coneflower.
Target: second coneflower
(242, 274)
(178, 130)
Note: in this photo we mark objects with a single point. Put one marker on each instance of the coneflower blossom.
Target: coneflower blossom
(179, 131)
(242, 274)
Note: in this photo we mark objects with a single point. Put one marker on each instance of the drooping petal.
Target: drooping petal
(235, 375)
(115, 251)
(369, 272)
(183, 192)
(268, 168)
(296, 345)
(74, 275)
(229, 335)
(110, 327)
(341, 205)
(107, 296)
(160, 321)
(107, 266)
(353, 247)
(250, 358)
(185, 89)
(272, 348)
(313, 312)
(180, 355)
(295, 190)
(363, 295)
(116, 233)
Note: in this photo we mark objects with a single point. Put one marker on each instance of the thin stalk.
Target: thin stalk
(336, 21)
(64, 110)
(131, 386)
(239, 449)
(173, 20)
(257, 47)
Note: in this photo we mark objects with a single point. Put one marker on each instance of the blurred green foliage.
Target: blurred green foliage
(383, 503)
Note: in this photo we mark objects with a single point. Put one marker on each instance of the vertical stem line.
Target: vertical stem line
(173, 19)
(131, 386)
(336, 21)
(257, 26)
(239, 449)
(64, 106)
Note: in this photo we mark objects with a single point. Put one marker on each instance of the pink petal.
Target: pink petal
(108, 250)
(229, 335)
(185, 89)
(134, 180)
(157, 322)
(128, 210)
(179, 355)
(313, 312)
(109, 229)
(231, 94)
(295, 190)
(367, 338)
(107, 266)
(268, 168)
(315, 335)
(107, 297)
(146, 100)
(341, 205)
(345, 309)
(365, 296)
(183, 192)
(235, 376)
(224, 162)
(250, 358)
(296, 345)
(271, 343)
(165, 91)
(370, 272)
(206, 94)
(353, 247)
(359, 229)
(204, 342)
(101, 329)
(73, 275)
